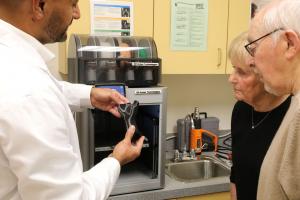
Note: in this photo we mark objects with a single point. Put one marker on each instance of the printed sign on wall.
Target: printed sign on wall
(111, 18)
(189, 22)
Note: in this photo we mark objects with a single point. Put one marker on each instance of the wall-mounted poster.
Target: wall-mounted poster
(111, 17)
(189, 24)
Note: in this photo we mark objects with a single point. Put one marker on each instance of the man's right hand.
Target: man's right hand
(125, 151)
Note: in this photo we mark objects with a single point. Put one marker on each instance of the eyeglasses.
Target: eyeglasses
(251, 46)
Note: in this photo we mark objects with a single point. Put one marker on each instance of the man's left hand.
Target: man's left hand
(107, 100)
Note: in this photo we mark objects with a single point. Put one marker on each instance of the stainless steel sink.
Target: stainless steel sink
(190, 171)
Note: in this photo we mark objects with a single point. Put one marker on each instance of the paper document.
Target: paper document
(189, 23)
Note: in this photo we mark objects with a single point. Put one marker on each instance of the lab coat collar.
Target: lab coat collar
(45, 54)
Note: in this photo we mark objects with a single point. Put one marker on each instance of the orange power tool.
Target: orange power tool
(203, 140)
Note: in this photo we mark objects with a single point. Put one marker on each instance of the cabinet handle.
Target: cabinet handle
(219, 57)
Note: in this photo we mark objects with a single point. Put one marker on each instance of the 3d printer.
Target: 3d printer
(131, 66)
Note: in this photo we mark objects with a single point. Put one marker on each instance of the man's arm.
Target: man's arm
(77, 95)
(40, 142)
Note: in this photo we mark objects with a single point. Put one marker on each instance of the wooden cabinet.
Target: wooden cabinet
(212, 61)
(214, 196)
(226, 19)
(238, 21)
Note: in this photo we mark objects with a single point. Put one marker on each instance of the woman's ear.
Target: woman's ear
(38, 9)
(293, 43)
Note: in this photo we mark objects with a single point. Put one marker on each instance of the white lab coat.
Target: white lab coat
(39, 150)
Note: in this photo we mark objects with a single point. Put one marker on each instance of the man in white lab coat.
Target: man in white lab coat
(39, 150)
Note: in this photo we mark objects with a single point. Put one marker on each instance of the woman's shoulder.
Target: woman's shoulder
(240, 108)
(241, 105)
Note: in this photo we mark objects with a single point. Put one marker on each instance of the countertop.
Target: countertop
(176, 189)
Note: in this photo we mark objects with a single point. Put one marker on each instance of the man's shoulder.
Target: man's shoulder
(12, 57)
(14, 94)
(18, 79)
(294, 106)
(6, 52)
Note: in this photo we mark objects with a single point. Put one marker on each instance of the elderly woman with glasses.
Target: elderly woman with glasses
(255, 119)
(277, 59)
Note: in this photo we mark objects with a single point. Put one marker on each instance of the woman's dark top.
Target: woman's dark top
(249, 146)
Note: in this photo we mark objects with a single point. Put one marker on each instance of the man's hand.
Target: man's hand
(107, 100)
(125, 151)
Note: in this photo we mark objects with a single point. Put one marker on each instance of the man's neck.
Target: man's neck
(296, 80)
(20, 21)
(17, 20)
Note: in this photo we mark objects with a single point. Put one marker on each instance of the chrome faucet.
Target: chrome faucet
(177, 156)
(184, 156)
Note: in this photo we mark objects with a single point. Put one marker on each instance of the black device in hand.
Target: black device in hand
(128, 112)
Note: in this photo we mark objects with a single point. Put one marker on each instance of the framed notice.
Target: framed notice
(189, 24)
(111, 18)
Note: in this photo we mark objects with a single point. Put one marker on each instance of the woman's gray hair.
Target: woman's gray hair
(282, 14)
(237, 50)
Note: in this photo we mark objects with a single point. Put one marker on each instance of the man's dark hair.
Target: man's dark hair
(253, 9)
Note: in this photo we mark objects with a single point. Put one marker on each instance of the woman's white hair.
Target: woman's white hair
(237, 50)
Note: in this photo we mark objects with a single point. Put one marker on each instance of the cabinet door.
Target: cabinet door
(212, 61)
(215, 196)
(238, 21)
(143, 17)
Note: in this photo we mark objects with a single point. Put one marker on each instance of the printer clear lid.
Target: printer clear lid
(94, 46)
